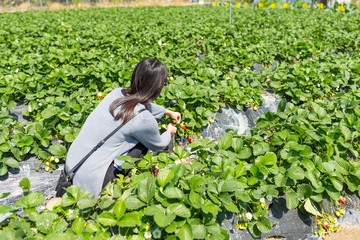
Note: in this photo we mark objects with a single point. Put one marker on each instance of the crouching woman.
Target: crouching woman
(134, 138)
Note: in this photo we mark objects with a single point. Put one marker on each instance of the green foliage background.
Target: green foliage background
(56, 63)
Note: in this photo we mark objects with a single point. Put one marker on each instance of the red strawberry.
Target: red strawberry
(181, 145)
(326, 225)
(318, 218)
(190, 139)
(342, 200)
(183, 126)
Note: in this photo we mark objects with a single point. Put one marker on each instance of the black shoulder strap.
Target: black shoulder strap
(71, 172)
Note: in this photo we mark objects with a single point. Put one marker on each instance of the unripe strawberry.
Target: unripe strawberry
(255, 108)
(99, 95)
(183, 126)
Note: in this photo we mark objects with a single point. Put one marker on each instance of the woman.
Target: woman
(134, 139)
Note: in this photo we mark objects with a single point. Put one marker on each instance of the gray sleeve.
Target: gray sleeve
(147, 132)
(156, 110)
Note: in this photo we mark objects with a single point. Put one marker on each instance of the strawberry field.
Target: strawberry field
(55, 64)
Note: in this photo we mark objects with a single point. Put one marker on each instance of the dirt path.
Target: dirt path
(345, 233)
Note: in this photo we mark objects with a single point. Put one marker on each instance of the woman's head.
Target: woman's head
(148, 79)
(147, 82)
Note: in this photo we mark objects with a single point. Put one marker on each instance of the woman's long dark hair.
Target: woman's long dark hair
(147, 82)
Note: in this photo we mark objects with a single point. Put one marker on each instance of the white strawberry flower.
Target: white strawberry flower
(70, 211)
(248, 216)
(30, 109)
(17, 70)
(52, 158)
(40, 104)
(262, 200)
(57, 160)
(269, 198)
(333, 75)
(112, 56)
(337, 89)
(147, 235)
(171, 78)
(224, 44)
(213, 85)
(157, 233)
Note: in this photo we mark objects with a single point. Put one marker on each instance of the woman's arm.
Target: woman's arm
(159, 111)
(146, 131)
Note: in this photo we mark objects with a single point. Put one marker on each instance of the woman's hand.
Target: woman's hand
(171, 128)
(174, 115)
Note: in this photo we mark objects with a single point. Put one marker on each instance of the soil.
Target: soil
(345, 233)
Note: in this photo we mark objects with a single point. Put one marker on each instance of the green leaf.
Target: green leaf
(310, 208)
(231, 207)
(5, 209)
(11, 162)
(264, 225)
(332, 192)
(119, 209)
(229, 185)
(25, 184)
(4, 195)
(282, 105)
(269, 159)
(260, 148)
(225, 141)
(133, 203)
(163, 220)
(296, 173)
(173, 192)
(185, 232)
(49, 112)
(129, 220)
(254, 231)
(146, 189)
(27, 141)
(3, 170)
(164, 177)
(198, 231)
(57, 150)
(304, 191)
(106, 219)
(78, 225)
(180, 210)
(292, 199)
(92, 226)
(31, 200)
(346, 132)
(153, 209)
(244, 153)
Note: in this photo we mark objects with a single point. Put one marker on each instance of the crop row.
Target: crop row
(57, 62)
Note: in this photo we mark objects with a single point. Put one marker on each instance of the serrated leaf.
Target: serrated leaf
(78, 225)
(57, 150)
(133, 203)
(173, 192)
(185, 232)
(225, 141)
(180, 210)
(164, 177)
(106, 219)
(264, 225)
(119, 209)
(292, 199)
(129, 220)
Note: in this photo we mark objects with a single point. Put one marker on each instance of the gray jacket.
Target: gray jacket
(142, 128)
